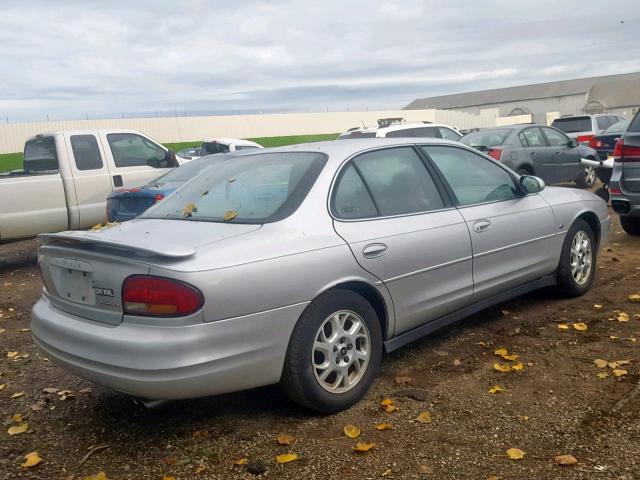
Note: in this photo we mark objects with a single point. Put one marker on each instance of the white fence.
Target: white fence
(186, 129)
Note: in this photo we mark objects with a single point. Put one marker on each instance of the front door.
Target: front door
(514, 237)
(401, 228)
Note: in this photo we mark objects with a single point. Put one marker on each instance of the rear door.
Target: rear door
(631, 165)
(134, 159)
(390, 209)
(540, 155)
(513, 236)
(91, 177)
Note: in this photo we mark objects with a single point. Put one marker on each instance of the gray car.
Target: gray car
(625, 178)
(583, 127)
(536, 150)
(301, 265)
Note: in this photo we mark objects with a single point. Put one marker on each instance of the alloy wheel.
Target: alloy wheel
(581, 257)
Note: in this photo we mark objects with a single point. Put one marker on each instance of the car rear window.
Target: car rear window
(486, 138)
(189, 170)
(40, 155)
(253, 188)
(357, 134)
(573, 124)
(209, 148)
(618, 127)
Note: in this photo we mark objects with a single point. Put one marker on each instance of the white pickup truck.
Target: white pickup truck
(67, 176)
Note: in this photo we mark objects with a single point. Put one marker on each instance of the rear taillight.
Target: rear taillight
(625, 153)
(495, 153)
(584, 138)
(158, 197)
(595, 143)
(159, 297)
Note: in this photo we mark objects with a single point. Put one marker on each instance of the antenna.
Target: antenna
(363, 125)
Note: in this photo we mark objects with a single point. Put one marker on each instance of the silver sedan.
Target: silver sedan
(301, 265)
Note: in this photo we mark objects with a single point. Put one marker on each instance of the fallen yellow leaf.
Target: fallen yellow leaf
(501, 352)
(18, 429)
(386, 401)
(229, 215)
(31, 460)
(98, 476)
(613, 365)
(11, 354)
(515, 454)
(597, 306)
(168, 477)
(200, 468)
(580, 326)
(241, 461)
(613, 337)
(17, 395)
(363, 447)
(623, 362)
(501, 368)
(384, 426)
(565, 460)
(351, 431)
(511, 357)
(602, 375)
(16, 418)
(496, 389)
(563, 326)
(622, 317)
(634, 297)
(390, 408)
(600, 363)
(518, 366)
(286, 458)
(2, 385)
(424, 417)
(387, 472)
(620, 372)
(285, 439)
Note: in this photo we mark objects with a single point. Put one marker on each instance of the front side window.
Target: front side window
(86, 152)
(449, 134)
(473, 178)
(351, 199)
(556, 139)
(260, 188)
(131, 150)
(534, 138)
(40, 156)
(398, 181)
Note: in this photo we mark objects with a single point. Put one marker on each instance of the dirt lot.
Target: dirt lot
(555, 405)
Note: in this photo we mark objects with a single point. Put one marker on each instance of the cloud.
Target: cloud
(69, 58)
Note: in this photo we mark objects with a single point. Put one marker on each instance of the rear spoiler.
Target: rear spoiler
(137, 246)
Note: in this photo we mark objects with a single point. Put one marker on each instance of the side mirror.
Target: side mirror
(530, 184)
(573, 143)
(172, 161)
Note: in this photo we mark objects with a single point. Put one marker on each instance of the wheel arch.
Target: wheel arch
(594, 222)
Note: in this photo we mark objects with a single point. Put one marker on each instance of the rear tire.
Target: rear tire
(337, 337)
(576, 269)
(587, 178)
(631, 225)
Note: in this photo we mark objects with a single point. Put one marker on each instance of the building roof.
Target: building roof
(624, 87)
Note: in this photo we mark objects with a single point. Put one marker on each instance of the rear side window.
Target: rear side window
(573, 124)
(398, 181)
(605, 121)
(532, 138)
(449, 134)
(556, 139)
(473, 178)
(352, 199)
(40, 156)
(131, 150)
(420, 132)
(86, 152)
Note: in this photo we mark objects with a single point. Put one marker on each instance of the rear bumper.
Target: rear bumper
(169, 362)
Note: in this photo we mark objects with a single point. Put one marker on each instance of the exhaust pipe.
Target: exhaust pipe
(148, 404)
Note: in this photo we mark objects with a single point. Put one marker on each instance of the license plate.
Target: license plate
(73, 280)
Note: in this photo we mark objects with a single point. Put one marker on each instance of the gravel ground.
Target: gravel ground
(555, 405)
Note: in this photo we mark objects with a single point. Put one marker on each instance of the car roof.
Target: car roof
(402, 126)
(237, 141)
(339, 150)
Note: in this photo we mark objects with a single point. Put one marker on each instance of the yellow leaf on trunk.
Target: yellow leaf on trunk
(351, 431)
(31, 460)
(515, 454)
(286, 458)
(229, 215)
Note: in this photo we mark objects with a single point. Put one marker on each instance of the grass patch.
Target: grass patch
(13, 161)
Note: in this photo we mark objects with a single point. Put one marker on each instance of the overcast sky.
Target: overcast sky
(69, 58)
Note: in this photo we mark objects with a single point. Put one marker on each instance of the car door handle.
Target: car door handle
(532, 153)
(117, 180)
(374, 250)
(482, 226)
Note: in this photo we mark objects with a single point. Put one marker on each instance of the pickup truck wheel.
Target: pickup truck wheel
(587, 177)
(576, 270)
(334, 352)
(631, 225)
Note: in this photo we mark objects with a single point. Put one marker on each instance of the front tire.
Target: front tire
(587, 178)
(334, 352)
(576, 270)
(631, 225)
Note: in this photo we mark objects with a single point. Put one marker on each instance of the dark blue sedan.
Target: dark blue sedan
(127, 203)
(606, 141)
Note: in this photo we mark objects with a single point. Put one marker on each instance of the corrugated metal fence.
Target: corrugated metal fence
(183, 129)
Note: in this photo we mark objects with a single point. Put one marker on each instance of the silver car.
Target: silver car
(301, 265)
